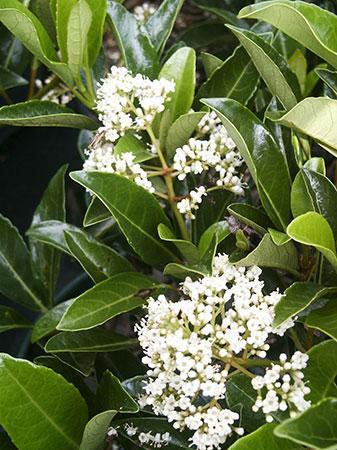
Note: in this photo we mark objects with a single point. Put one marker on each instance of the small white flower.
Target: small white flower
(144, 12)
(191, 203)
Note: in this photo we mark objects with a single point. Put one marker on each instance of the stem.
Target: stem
(310, 340)
(242, 369)
(296, 340)
(88, 77)
(6, 97)
(33, 73)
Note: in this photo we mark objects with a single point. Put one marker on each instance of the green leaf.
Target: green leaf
(181, 130)
(251, 216)
(235, 78)
(129, 204)
(221, 10)
(131, 144)
(274, 70)
(181, 272)
(111, 399)
(329, 77)
(268, 254)
(298, 297)
(221, 229)
(42, 10)
(82, 363)
(95, 35)
(263, 157)
(312, 229)
(118, 294)
(298, 64)
(98, 260)
(210, 63)
(324, 319)
(62, 12)
(16, 277)
(53, 417)
(10, 319)
(79, 22)
(263, 439)
(37, 113)
(308, 24)
(189, 251)
(46, 260)
(315, 428)
(312, 191)
(97, 340)
(160, 24)
(47, 323)
(278, 237)
(97, 212)
(315, 118)
(29, 30)
(52, 232)
(321, 370)
(138, 53)
(180, 68)
(9, 79)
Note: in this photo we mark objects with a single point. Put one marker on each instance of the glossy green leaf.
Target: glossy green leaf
(16, 277)
(97, 212)
(82, 363)
(264, 439)
(129, 204)
(189, 251)
(312, 191)
(160, 24)
(138, 53)
(315, 118)
(308, 24)
(221, 229)
(53, 417)
(98, 340)
(181, 272)
(297, 297)
(95, 35)
(324, 319)
(180, 68)
(46, 260)
(98, 260)
(210, 63)
(62, 9)
(268, 254)
(315, 428)
(9, 79)
(37, 113)
(42, 10)
(321, 370)
(130, 143)
(263, 157)
(95, 432)
(118, 294)
(312, 229)
(52, 232)
(47, 323)
(251, 216)
(274, 70)
(329, 77)
(78, 25)
(278, 237)
(10, 319)
(298, 64)
(29, 30)
(221, 10)
(181, 130)
(235, 78)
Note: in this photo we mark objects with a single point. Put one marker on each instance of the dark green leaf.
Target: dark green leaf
(16, 276)
(53, 417)
(37, 113)
(129, 204)
(251, 216)
(308, 24)
(82, 363)
(46, 260)
(138, 53)
(324, 319)
(98, 340)
(268, 254)
(131, 144)
(315, 428)
(118, 294)
(297, 297)
(160, 24)
(9, 79)
(97, 212)
(51, 232)
(236, 78)
(274, 70)
(329, 77)
(181, 272)
(210, 63)
(263, 157)
(189, 251)
(221, 229)
(11, 319)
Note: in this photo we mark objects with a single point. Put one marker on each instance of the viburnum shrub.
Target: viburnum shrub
(206, 313)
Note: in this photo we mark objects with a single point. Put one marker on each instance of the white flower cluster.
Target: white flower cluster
(191, 203)
(102, 158)
(284, 387)
(154, 440)
(211, 149)
(189, 344)
(144, 12)
(127, 102)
